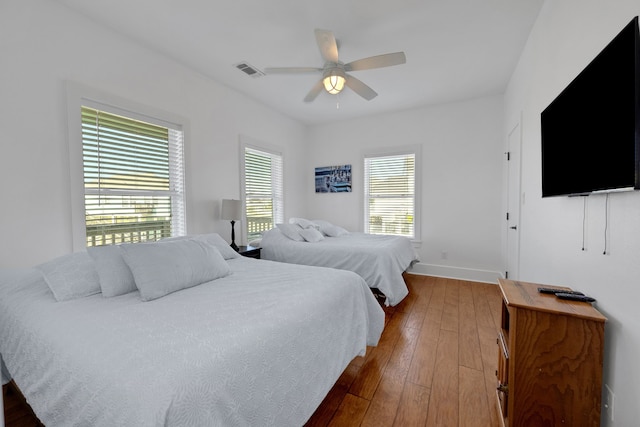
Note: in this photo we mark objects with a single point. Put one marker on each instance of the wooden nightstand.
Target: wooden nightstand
(249, 251)
(550, 355)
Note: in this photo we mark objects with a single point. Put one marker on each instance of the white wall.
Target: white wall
(44, 44)
(461, 179)
(566, 37)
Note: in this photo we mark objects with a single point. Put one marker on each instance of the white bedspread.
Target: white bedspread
(380, 260)
(262, 346)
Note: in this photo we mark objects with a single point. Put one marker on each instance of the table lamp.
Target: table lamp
(232, 210)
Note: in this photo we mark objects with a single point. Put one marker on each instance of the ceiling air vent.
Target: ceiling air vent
(249, 69)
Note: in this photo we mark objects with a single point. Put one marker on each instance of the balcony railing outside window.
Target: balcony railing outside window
(112, 234)
(258, 225)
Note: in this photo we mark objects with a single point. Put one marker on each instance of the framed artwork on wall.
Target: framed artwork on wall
(333, 179)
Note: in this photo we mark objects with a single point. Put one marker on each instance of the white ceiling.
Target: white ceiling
(455, 49)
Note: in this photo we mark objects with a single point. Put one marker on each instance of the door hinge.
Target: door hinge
(506, 274)
(507, 216)
(508, 153)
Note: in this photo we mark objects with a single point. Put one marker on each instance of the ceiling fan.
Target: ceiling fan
(334, 71)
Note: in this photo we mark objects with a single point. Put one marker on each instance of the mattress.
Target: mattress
(262, 346)
(379, 260)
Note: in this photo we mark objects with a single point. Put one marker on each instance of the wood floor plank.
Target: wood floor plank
(351, 412)
(443, 403)
(494, 299)
(488, 326)
(402, 354)
(424, 358)
(384, 405)
(485, 296)
(480, 292)
(450, 315)
(412, 410)
(416, 317)
(489, 349)
(495, 414)
(470, 355)
(474, 408)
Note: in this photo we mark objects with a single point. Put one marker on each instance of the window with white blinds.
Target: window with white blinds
(263, 190)
(133, 178)
(390, 194)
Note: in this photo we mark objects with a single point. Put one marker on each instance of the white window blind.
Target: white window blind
(263, 189)
(133, 179)
(389, 193)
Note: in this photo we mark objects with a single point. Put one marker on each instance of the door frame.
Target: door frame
(512, 212)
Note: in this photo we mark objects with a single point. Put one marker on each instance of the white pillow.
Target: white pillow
(219, 243)
(165, 267)
(336, 231)
(322, 225)
(115, 275)
(304, 223)
(71, 276)
(292, 231)
(169, 239)
(329, 229)
(213, 239)
(255, 243)
(311, 235)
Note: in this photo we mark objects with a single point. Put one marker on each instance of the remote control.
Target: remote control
(574, 297)
(557, 291)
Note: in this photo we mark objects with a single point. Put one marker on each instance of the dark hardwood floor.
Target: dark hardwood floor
(17, 412)
(434, 365)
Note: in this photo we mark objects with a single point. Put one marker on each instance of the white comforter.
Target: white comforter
(380, 260)
(262, 346)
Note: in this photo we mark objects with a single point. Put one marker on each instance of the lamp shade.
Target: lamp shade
(231, 209)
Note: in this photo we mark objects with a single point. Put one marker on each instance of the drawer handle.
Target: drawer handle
(504, 388)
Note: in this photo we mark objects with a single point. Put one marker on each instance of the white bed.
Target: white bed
(260, 346)
(379, 260)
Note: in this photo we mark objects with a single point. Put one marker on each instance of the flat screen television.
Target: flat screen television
(591, 131)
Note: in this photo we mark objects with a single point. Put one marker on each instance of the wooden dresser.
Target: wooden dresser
(550, 354)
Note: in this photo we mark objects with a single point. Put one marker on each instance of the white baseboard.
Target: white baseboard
(460, 273)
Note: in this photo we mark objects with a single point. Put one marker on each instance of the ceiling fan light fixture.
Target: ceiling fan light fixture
(334, 77)
(334, 81)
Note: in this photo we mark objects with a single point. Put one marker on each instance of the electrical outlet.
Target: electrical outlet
(609, 401)
(444, 255)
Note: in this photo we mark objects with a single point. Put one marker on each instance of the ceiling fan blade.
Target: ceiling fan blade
(314, 92)
(379, 61)
(291, 70)
(327, 44)
(360, 88)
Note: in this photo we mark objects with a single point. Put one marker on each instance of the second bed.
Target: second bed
(379, 260)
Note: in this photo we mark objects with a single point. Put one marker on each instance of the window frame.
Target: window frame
(247, 142)
(79, 95)
(416, 150)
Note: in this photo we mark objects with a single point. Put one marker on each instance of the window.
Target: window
(262, 187)
(133, 177)
(390, 194)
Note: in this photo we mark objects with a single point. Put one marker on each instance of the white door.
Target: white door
(513, 202)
